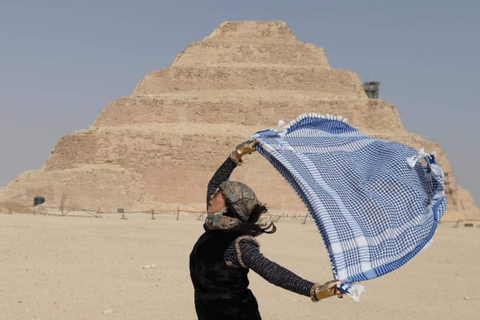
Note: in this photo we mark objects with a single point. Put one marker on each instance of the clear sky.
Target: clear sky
(63, 61)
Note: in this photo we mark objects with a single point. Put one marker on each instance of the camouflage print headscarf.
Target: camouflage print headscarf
(218, 221)
(243, 200)
(240, 196)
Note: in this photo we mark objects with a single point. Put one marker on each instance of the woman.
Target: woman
(223, 255)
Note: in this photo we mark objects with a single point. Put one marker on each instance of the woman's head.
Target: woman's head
(237, 200)
(240, 197)
(217, 202)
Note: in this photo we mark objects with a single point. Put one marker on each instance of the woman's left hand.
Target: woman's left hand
(236, 155)
(246, 147)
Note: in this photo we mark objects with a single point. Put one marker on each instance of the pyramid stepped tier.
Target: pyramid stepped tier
(252, 43)
(158, 163)
(103, 188)
(139, 147)
(254, 32)
(108, 187)
(328, 83)
(159, 147)
(236, 54)
(261, 111)
(235, 45)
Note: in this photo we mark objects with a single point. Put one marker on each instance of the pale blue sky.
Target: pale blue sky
(62, 62)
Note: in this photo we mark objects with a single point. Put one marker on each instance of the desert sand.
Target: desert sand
(108, 268)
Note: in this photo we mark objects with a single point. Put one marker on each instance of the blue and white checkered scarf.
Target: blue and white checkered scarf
(375, 204)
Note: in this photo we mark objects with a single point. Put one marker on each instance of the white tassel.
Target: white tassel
(309, 115)
(412, 161)
(427, 245)
(355, 291)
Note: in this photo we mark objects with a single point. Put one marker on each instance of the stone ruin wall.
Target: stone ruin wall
(158, 147)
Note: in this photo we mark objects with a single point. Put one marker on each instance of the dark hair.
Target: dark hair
(250, 227)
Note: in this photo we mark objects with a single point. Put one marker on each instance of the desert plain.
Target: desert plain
(66, 267)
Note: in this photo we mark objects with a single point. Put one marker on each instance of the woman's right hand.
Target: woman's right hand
(328, 289)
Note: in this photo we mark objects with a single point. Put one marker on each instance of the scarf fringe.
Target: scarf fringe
(310, 116)
(353, 289)
(421, 154)
(427, 245)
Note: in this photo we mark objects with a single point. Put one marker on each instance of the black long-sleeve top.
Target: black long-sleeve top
(244, 251)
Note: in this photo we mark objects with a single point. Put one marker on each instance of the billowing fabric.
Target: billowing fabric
(241, 197)
(375, 204)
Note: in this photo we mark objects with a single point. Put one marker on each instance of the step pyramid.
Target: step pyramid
(157, 148)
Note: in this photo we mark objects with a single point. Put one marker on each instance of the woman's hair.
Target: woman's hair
(250, 227)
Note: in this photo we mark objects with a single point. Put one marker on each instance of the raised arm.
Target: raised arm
(226, 169)
(222, 174)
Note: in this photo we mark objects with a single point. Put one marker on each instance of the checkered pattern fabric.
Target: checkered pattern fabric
(375, 204)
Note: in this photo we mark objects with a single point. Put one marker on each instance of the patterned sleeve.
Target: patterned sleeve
(244, 253)
(222, 174)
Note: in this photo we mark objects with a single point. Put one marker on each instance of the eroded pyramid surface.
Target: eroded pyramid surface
(158, 147)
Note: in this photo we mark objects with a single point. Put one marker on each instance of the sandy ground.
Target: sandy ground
(87, 268)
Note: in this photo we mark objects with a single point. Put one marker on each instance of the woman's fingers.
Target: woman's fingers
(339, 294)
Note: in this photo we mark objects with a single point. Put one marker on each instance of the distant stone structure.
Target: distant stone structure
(157, 148)
(372, 89)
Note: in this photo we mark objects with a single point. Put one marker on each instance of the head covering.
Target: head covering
(240, 196)
(218, 221)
